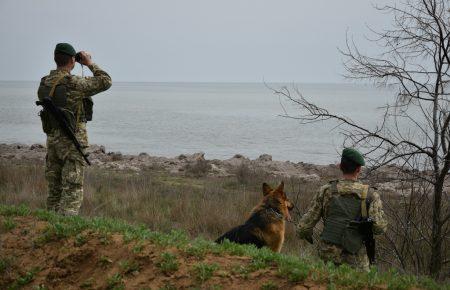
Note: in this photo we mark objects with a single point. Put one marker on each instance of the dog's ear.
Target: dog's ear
(280, 187)
(266, 189)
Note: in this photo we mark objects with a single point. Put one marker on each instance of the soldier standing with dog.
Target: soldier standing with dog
(68, 106)
(352, 212)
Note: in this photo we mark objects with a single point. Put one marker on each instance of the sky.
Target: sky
(188, 40)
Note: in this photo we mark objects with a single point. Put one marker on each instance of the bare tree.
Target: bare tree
(414, 133)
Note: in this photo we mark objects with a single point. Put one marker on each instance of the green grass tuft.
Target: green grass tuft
(168, 263)
(293, 268)
(204, 272)
(80, 240)
(269, 285)
(294, 271)
(128, 266)
(23, 280)
(5, 264)
(21, 210)
(9, 224)
(115, 282)
(199, 247)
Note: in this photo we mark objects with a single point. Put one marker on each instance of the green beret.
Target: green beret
(353, 155)
(65, 48)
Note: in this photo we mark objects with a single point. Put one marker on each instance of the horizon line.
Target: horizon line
(215, 82)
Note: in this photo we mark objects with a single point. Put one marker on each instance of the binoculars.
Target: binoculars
(78, 57)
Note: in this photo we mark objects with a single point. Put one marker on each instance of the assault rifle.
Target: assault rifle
(64, 125)
(365, 227)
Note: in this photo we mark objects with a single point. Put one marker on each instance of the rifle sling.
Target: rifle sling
(364, 213)
(52, 91)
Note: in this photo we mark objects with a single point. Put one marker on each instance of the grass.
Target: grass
(5, 264)
(292, 268)
(80, 240)
(23, 280)
(115, 282)
(168, 263)
(129, 267)
(9, 224)
(269, 286)
(199, 206)
(104, 261)
(203, 272)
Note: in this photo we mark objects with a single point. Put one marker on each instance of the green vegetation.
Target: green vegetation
(269, 286)
(5, 264)
(23, 280)
(290, 267)
(80, 240)
(241, 270)
(138, 248)
(128, 266)
(104, 261)
(168, 263)
(204, 272)
(115, 282)
(9, 224)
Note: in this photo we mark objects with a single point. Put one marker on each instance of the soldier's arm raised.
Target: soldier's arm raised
(377, 214)
(312, 216)
(99, 82)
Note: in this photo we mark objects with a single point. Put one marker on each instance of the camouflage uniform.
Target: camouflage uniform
(318, 209)
(64, 170)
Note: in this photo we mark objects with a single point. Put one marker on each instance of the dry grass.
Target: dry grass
(202, 206)
(207, 206)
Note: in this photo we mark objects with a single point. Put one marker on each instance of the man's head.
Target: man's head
(65, 56)
(351, 162)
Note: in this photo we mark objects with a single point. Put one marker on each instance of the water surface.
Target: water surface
(220, 119)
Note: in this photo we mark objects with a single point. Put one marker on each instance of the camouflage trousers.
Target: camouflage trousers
(338, 256)
(64, 172)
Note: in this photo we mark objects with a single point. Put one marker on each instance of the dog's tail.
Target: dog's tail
(232, 235)
(241, 235)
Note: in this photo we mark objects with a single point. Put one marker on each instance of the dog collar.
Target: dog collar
(276, 213)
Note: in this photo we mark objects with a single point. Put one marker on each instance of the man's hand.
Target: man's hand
(85, 58)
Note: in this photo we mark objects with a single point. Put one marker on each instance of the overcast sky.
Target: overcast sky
(187, 40)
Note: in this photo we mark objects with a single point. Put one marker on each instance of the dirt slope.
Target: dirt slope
(93, 260)
(42, 250)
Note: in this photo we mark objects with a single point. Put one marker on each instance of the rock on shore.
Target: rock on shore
(99, 157)
(196, 163)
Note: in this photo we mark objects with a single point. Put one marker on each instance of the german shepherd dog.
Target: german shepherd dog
(266, 224)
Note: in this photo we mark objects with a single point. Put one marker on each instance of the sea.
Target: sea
(219, 119)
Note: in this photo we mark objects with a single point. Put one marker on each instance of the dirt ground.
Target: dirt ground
(95, 261)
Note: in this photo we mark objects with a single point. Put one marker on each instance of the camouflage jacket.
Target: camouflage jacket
(78, 88)
(319, 206)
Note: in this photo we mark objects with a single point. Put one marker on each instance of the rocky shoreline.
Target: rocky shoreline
(196, 164)
(100, 157)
